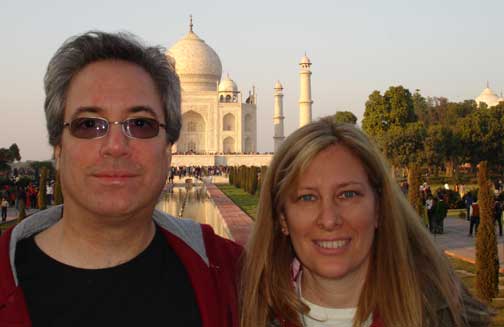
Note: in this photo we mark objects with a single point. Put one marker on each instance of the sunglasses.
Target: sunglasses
(94, 127)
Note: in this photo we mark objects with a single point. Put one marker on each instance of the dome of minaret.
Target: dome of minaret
(278, 85)
(305, 60)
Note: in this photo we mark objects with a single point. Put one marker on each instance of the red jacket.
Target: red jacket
(213, 271)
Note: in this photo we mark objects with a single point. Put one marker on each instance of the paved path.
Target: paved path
(12, 213)
(456, 243)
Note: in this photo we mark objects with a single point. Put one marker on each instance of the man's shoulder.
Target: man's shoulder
(220, 243)
(199, 237)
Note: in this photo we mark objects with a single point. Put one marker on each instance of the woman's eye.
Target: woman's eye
(306, 197)
(348, 194)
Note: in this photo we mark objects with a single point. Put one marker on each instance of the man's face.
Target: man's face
(114, 175)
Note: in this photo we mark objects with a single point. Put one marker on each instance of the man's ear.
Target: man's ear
(283, 224)
(57, 155)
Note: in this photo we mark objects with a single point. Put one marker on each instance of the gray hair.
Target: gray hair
(81, 50)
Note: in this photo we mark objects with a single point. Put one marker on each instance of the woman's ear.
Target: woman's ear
(283, 224)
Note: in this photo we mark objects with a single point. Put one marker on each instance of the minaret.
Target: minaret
(278, 116)
(305, 101)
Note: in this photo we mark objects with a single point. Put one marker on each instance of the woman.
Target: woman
(335, 241)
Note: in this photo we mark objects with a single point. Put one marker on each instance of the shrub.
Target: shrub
(486, 242)
(58, 196)
(41, 197)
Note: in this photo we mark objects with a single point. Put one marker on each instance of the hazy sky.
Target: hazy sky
(444, 48)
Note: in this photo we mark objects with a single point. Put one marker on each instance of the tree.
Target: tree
(486, 242)
(386, 118)
(8, 156)
(38, 165)
(420, 107)
(481, 136)
(376, 120)
(405, 144)
(22, 210)
(346, 117)
(58, 195)
(442, 146)
(42, 194)
(400, 106)
(414, 188)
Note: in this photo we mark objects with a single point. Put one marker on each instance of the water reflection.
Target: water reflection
(193, 203)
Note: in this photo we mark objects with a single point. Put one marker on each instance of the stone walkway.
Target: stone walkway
(12, 213)
(237, 221)
(456, 242)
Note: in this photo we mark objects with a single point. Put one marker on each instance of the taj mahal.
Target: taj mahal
(219, 122)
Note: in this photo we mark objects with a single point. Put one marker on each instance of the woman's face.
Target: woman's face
(331, 216)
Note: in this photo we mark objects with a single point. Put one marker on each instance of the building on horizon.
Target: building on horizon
(488, 97)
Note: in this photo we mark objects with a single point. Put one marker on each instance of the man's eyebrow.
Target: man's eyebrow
(82, 110)
(143, 109)
(98, 110)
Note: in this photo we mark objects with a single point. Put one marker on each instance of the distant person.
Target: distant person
(335, 243)
(107, 257)
(49, 193)
(498, 215)
(440, 211)
(5, 206)
(429, 205)
(32, 194)
(475, 218)
(468, 200)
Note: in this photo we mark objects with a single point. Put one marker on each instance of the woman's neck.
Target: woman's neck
(332, 293)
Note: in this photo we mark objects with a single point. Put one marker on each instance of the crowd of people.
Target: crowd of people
(196, 171)
(11, 196)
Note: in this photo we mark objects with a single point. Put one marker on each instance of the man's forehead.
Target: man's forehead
(110, 85)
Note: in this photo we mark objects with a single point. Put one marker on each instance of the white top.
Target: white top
(327, 317)
(330, 317)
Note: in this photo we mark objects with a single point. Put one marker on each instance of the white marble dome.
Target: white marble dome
(489, 97)
(278, 85)
(196, 63)
(228, 85)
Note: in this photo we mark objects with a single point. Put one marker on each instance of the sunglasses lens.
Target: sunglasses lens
(88, 128)
(141, 128)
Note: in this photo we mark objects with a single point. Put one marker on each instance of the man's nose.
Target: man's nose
(115, 143)
(329, 215)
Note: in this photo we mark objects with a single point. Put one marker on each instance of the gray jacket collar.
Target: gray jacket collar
(185, 229)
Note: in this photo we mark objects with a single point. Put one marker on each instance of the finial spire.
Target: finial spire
(488, 85)
(190, 23)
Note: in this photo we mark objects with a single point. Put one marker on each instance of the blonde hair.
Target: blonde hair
(409, 279)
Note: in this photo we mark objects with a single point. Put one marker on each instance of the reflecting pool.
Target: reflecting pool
(193, 203)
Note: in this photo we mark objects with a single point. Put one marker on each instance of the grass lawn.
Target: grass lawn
(242, 199)
(470, 282)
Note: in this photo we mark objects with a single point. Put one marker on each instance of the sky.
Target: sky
(443, 48)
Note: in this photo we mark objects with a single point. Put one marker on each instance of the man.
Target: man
(108, 258)
(475, 217)
(468, 199)
(439, 214)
